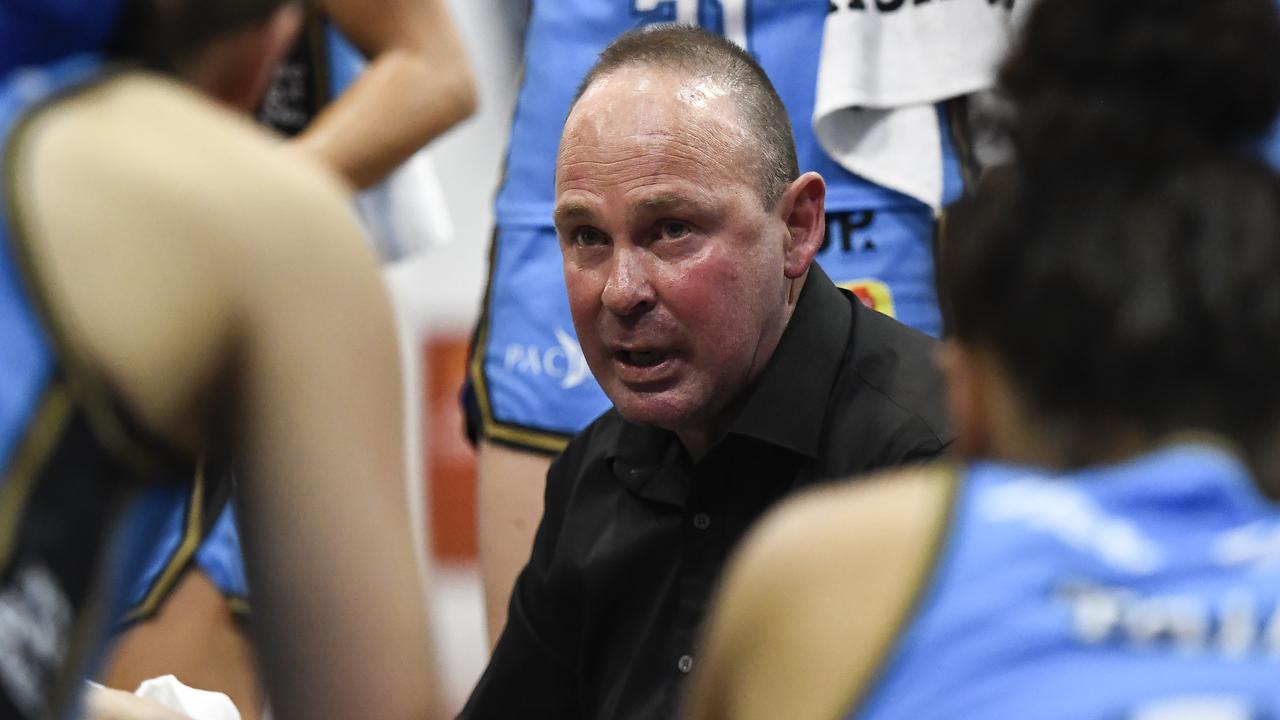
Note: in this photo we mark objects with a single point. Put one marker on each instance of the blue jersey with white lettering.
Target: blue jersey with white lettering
(78, 505)
(1143, 590)
(564, 37)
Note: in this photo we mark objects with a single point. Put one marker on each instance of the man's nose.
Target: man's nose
(627, 290)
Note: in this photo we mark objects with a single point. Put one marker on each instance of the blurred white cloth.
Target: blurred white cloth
(406, 213)
(197, 704)
(882, 70)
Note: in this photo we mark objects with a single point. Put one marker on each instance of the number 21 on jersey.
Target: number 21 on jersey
(733, 12)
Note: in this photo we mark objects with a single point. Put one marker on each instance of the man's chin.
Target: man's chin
(658, 409)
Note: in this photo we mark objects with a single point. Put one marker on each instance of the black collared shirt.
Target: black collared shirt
(604, 619)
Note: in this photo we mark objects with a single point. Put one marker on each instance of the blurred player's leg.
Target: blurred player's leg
(194, 615)
(509, 501)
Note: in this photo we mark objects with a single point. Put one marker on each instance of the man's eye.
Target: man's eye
(675, 229)
(588, 237)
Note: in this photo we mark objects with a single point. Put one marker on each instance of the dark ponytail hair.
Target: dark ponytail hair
(1127, 269)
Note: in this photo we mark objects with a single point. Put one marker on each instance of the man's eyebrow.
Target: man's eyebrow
(667, 203)
(571, 211)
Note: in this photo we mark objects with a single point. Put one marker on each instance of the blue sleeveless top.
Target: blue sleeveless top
(1142, 590)
(77, 510)
(563, 39)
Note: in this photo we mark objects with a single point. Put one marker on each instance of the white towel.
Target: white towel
(406, 213)
(196, 704)
(884, 64)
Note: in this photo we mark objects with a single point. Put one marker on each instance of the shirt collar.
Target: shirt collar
(786, 404)
(644, 458)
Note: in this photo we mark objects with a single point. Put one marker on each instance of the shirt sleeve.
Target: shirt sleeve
(531, 673)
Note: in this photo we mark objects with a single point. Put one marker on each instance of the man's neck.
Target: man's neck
(698, 442)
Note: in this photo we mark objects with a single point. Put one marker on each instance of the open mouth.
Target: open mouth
(640, 358)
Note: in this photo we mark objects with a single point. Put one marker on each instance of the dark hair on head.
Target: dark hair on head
(1127, 270)
(1145, 81)
(165, 34)
(694, 52)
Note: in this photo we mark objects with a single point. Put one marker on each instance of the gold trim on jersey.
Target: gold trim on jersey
(44, 434)
(239, 605)
(925, 574)
(490, 427)
(46, 428)
(192, 536)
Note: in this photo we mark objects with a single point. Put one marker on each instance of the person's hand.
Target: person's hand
(103, 703)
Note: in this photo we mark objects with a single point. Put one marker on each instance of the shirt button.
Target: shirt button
(702, 521)
(685, 664)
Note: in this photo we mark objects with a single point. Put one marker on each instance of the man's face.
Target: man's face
(675, 270)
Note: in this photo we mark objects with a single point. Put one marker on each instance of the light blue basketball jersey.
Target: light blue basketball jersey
(563, 39)
(1146, 590)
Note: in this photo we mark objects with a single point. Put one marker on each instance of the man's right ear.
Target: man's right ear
(803, 209)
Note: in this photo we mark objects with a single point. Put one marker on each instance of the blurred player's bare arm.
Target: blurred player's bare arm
(859, 557)
(244, 310)
(418, 84)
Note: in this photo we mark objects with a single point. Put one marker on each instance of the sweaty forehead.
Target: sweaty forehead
(643, 131)
(642, 106)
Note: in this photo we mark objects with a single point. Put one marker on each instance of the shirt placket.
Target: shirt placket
(703, 557)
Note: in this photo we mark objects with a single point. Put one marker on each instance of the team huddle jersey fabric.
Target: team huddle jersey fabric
(532, 382)
(81, 488)
(564, 37)
(1146, 590)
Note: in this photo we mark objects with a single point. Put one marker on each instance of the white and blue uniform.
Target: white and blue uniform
(1145, 590)
(530, 378)
(82, 490)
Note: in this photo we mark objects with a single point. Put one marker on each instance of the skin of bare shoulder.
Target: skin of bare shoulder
(141, 188)
(222, 287)
(812, 602)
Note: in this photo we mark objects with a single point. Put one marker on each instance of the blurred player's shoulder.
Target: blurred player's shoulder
(142, 165)
(149, 136)
(138, 188)
(864, 552)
